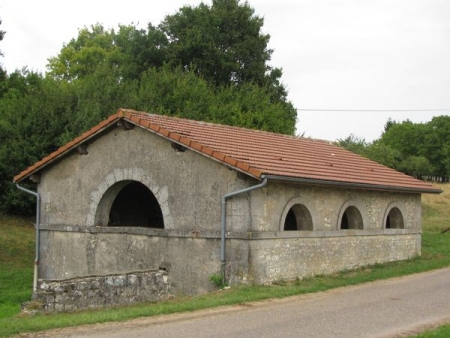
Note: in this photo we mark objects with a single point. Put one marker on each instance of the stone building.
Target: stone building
(142, 206)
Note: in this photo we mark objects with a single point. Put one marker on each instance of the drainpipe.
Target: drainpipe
(224, 219)
(38, 218)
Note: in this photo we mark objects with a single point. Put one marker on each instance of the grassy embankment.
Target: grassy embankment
(16, 269)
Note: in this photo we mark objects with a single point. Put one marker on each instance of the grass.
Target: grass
(16, 263)
(17, 238)
(443, 331)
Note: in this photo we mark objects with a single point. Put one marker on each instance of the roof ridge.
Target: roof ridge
(219, 125)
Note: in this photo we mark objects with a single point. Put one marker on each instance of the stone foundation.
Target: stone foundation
(101, 291)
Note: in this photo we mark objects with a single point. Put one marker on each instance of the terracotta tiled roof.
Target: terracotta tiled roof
(257, 153)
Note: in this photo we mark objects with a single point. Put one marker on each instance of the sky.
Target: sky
(366, 60)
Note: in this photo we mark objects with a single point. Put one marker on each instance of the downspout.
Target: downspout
(38, 218)
(224, 219)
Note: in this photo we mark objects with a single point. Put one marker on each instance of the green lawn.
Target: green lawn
(17, 242)
(441, 332)
(16, 269)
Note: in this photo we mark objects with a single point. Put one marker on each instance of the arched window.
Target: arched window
(135, 205)
(351, 219)
(394, 219)
(298, 218)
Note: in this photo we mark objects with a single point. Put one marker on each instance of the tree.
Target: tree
(2, 71)
(2, 35)
(375, 151)
(224, 44)
(33, 113)
(183, 94)
(222, 41)
(82, 56)
(423, 148)
(417, 166)
(435, 145)
(127, 53)
(221, 45)
(354, 144)
(406, 137)
(383, 154)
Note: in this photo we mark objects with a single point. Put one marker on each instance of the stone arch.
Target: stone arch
(296, 216)
(350, 217)
(108, 190)
(393, 217)
(134, 205)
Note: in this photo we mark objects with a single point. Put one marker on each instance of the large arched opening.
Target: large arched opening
(135, 205)
(130, 204)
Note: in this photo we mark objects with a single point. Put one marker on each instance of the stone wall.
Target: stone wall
(100, 291)
(189, 257)
(275, 259)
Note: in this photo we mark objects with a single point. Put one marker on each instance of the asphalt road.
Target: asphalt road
(390, 308)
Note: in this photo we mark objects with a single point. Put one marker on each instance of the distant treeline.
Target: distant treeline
(421, 150)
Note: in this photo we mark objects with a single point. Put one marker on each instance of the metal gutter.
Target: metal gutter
(224, 220)
(38, 220)
(353, 185)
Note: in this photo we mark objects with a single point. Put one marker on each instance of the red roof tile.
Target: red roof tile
(260, 153)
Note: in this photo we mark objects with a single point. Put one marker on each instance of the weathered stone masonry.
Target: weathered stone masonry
(98, 291)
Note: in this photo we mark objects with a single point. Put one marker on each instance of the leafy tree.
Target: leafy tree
(82, 56)
(435, 145)
(406, 137)
(126, 52)
(221, 44)
(383, 154)
(32, 111)
(376, 151)
(222, 41)
(252, 106)
(421, 150)
(144, 49)
(424, 147)
(354, 144)
(417, 166)
(2, 35)
(183, 94)
(2, 71)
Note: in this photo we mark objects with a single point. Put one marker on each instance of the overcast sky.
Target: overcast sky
(336, 54)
